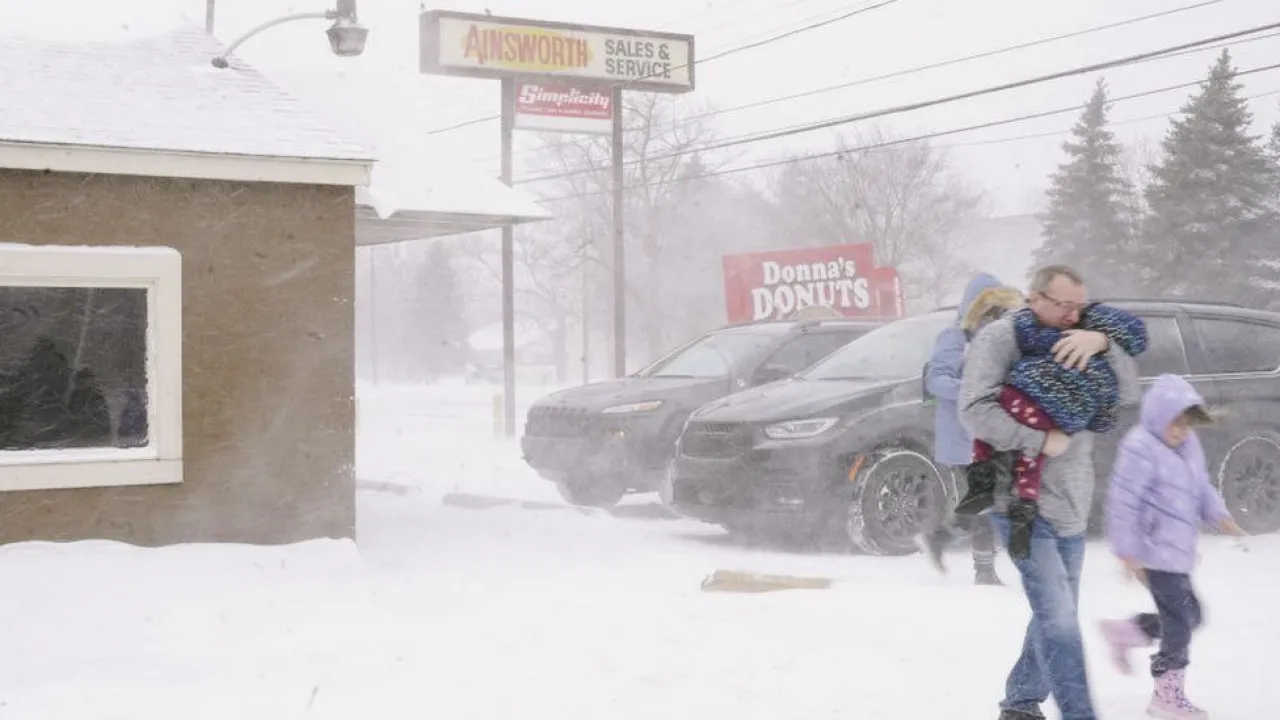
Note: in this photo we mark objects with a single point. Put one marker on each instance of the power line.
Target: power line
(1057, 133)
(678, 123)
(767, 11)
(953, 61)
(713, 57)
(920, 105)
(897, 73)
(792, 33)
(932, 135)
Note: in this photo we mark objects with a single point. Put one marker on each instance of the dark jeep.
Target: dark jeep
(601, 441)
(845, 447)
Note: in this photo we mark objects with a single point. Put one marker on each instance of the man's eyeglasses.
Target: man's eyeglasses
(1063, 305)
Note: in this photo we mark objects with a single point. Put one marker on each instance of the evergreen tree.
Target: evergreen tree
(1089, 221)
(1212, 223)
(1273, 152)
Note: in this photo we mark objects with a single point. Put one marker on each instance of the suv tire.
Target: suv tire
(590, 492)
(898, 495)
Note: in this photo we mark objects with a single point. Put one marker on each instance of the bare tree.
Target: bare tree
(1137, 159)
(662, 134)
(903, 196)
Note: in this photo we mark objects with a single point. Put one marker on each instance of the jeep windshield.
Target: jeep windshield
(718, 355)
(897, 351)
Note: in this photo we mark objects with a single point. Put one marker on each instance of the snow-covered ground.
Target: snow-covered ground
(539, 611)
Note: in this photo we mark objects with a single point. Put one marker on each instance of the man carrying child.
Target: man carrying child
(1055, 469)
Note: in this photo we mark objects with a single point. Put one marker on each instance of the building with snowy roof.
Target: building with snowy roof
(176, 287)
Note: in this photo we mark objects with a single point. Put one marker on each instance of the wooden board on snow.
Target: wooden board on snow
(745, 582)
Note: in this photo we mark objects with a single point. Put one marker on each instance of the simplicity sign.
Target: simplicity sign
(493, 47)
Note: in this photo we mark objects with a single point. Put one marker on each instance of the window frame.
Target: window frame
(1179, 325)
(800, 336)
(158, 270)
(1205, 365)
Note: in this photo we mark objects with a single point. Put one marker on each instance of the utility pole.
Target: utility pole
(209, 8)
(508, 267)
(619, 243)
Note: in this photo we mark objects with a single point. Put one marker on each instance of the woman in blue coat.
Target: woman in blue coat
(984, 300)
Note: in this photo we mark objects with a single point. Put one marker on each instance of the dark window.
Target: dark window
(805, 349)
(897, 351)
(72, 367)
(713, 356)
(1235, 346)
(1165, 351)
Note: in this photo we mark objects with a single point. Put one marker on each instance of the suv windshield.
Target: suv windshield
(897, 351)
(712, 356)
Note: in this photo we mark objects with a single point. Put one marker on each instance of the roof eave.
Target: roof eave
(179, 164)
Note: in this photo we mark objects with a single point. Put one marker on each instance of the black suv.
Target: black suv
(845, 447)
(600, 441)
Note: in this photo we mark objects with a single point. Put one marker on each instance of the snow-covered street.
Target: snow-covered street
(543, 611)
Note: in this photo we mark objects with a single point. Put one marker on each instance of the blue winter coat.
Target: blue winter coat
(952, 443)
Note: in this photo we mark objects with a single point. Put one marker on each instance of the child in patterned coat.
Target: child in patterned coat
(1044, 394)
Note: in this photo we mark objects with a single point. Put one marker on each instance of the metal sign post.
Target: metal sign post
(619, 243)
(508, 267)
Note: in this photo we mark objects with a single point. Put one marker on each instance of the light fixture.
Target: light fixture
(347, 36)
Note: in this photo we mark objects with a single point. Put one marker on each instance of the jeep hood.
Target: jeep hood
(595, 397)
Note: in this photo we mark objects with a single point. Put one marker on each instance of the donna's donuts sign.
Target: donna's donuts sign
(843, 278)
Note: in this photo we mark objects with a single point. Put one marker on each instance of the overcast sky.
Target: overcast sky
(383, 94)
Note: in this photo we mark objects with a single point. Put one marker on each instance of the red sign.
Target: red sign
(775, 285)
(563, 108)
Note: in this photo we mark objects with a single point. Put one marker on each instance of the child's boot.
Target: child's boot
(1169, 701)
(935, 543)
(1123, 636)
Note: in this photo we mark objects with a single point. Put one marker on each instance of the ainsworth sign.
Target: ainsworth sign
(456, 43)
(776, 285)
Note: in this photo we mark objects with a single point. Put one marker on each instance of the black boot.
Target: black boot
(935, 545)
(1008, 714)
(984, 574)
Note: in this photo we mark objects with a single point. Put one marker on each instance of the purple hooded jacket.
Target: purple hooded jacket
(1159, 495)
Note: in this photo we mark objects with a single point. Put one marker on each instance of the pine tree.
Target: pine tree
(1212, 222)
(1089, 221)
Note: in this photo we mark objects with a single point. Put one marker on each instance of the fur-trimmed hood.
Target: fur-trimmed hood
(1002, 297)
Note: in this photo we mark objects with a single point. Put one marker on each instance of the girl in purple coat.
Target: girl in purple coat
(1160, 495)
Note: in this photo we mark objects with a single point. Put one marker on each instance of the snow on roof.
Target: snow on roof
(133, 74)
(425, 179)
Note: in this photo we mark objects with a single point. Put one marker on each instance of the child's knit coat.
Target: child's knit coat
(1075, 400)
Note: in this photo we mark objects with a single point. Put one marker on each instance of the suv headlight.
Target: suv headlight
(640, 407)
(799, 429)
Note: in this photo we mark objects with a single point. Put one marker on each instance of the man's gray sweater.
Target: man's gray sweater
(1067, 481)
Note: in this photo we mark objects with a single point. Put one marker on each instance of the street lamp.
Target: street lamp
(346, 35)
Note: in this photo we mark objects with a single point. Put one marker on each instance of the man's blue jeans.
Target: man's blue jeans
(1052, 659)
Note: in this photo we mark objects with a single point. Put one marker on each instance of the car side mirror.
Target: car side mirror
(770, 373)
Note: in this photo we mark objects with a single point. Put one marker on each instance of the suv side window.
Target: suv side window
(1165, 351)
(1237, 346)
(804, 349)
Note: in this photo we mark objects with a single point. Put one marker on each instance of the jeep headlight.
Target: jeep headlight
(799, 429)
(640, 407)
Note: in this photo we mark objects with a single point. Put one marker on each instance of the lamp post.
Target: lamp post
(346, 35)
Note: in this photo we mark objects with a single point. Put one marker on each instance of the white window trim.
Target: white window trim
(158, 270)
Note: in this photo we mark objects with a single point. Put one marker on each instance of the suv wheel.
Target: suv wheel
(1249, 479)
(899, 495)
(590, 492)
